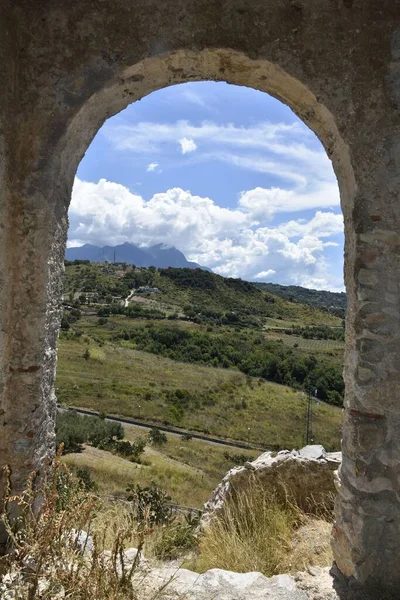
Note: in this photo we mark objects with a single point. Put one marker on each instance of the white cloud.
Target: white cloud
(152, 167)
(323, 224)
(264, 203)
(149, 136)
(265, 274)
(187, 145)
(287, 151)
(233, 242)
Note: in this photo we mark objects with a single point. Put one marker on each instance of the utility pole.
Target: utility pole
(311, 394)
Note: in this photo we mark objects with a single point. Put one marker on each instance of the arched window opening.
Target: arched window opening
(200, 217)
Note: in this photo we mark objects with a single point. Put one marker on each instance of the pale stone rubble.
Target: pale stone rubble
(222, 585)
(174, 583)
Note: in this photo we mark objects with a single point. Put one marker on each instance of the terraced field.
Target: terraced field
(308, 345)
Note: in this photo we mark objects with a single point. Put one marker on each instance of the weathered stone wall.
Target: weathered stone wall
(304, 477)
(66, 66)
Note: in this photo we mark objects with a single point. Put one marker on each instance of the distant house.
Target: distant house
(145, 289)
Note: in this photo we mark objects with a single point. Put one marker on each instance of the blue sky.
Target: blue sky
(227, 174)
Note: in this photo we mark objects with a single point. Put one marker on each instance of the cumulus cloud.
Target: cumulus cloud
(187, 145)
(152, 167)
(236, 242)
(264, 203)
(323, 224)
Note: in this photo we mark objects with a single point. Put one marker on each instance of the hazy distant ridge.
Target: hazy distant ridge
(158, 256)
(334, 302)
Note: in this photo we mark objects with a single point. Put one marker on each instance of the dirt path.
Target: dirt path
(150, 451)
(129, 298)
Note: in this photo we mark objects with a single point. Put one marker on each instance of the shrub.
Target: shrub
(65, 324)
(174, 541)
(157, 437)
(151, 504)
(133, 450)
(84, 477)
(73, 430)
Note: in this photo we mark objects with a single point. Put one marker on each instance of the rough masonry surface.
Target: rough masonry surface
(66, 66)
(305, 476)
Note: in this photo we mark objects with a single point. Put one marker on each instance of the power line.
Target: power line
(311, 394)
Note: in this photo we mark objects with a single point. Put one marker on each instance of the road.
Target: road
(171, 430)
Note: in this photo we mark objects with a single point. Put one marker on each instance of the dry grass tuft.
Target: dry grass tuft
(262, 531)
(47, 560)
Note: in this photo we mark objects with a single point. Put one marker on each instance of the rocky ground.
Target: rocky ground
(315, 584)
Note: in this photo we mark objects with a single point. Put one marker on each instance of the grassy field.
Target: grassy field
(226, 403)
(187, 469)
(100, 369)
(113, 474)
(206, 458)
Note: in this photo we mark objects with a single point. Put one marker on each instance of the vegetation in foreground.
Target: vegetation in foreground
(49, 555)
(48, 558)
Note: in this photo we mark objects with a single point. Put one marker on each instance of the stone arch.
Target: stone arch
(335, 63)
(135, 82)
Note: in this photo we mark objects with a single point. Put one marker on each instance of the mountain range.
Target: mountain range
(159, 256)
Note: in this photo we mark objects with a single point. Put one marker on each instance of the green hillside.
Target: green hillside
(198, 351)
(203, 296)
